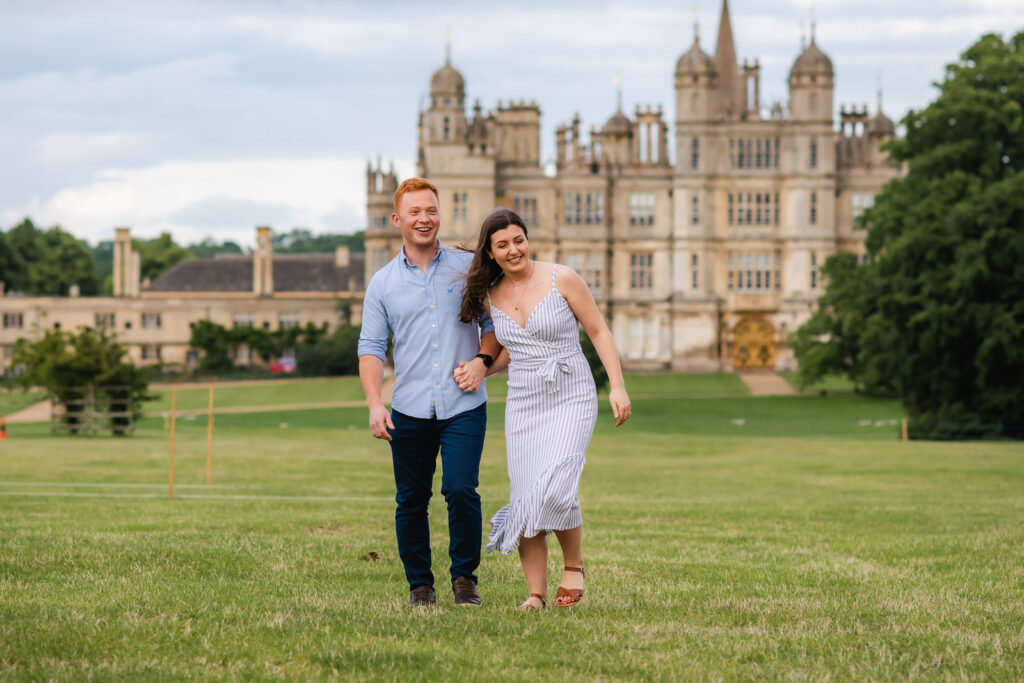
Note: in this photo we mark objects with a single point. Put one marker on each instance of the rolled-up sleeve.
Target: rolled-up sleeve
(373, 336)
(486, 324)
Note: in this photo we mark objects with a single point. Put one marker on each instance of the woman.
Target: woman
(551, 406)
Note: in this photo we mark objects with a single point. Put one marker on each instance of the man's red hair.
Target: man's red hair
(414, 185)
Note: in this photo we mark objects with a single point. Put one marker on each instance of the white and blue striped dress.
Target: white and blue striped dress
(550, 413)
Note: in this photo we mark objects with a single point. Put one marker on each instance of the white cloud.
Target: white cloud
(322, 36)
(63, 147)
(312, 189)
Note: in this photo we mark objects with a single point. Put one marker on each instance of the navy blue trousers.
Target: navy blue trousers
(415, 443)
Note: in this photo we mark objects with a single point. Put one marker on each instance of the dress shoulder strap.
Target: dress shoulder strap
(554, 267)
(490, 287)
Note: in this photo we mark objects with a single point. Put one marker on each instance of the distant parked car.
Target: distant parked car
(283, 365)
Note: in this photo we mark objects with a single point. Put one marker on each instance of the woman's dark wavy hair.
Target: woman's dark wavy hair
(484, 270)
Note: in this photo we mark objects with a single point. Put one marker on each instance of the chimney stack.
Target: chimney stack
(126, 265)
(341, 256)
(263, 262)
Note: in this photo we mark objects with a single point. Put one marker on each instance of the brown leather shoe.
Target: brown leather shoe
(464, 589)
(422, 596)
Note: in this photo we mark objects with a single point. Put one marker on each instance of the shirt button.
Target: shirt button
(433, 325)
(435, 365)
(435, 346)
(431, 305)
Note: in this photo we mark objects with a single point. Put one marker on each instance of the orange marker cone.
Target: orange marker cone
(3, 429)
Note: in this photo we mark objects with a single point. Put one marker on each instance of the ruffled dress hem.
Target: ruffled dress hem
(519, 518)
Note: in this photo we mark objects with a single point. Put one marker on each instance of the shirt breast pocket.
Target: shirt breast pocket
(450, 298)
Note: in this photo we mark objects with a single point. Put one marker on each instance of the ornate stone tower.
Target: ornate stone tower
(445, 118)
(811, 81)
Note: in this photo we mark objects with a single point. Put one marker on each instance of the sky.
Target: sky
(207, 118)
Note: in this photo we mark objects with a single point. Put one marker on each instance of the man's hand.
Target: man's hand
(469, 375)
(380, 421)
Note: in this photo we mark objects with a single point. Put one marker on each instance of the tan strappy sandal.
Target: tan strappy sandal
(527, 607)
(570, 595)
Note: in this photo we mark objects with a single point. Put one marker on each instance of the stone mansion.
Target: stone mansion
(704, 263)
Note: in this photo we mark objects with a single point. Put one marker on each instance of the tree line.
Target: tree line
(47, 261)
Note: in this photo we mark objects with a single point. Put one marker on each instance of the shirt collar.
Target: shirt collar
(437, 257)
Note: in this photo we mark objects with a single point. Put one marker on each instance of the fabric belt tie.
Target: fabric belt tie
(550, 369)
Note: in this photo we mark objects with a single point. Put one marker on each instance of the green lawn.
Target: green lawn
(674, 385)
(14, 400)
(795, 545)
(272, 393)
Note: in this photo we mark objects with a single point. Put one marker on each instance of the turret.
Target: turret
(695, 82)
(445, 119)
(811, 82)
(380, 193)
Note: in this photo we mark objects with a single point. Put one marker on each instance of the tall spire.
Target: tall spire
(727, 66)
(878, 77)
(447, 47)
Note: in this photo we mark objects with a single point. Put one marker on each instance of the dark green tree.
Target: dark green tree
(70, 366)
(216, 344)
(209, 248)
(594, 361)
(46, 262)
(303, 241)
(336, 354)
(938, 313)
(103, 266)
(6, 263)
(158, 255)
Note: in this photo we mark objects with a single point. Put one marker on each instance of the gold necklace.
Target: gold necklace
(526, 281)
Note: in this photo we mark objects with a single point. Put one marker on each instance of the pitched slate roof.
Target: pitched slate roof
(292, 273)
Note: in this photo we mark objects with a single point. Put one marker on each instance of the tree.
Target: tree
(6, 263)
(46, 262)
(337, 354)
(216, 343)
(938, 313)
(208, 248)
(303, 241)
(158, 255)
(67, 364)
(103, 266)
(828, 343)
(594, 361)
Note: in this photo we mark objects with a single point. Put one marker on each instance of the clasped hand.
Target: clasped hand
(469, 375)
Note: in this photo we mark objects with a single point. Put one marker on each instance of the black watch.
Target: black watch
(488, 360)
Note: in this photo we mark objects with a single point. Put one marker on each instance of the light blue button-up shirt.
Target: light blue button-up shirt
(421, 311)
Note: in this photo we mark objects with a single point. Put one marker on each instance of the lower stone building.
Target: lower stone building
(155, 320)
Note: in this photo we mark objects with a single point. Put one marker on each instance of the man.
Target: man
(416, 298)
